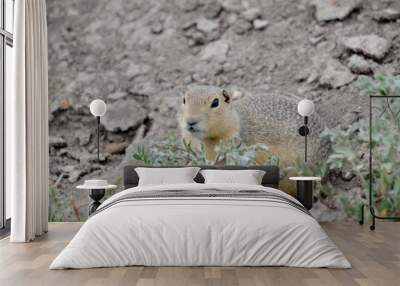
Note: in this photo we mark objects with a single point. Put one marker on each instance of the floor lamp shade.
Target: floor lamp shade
(98, 107)
(305, 107)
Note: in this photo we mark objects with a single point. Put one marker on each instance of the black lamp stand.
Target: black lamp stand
(98, 139)
(304, 131)
(96, 194)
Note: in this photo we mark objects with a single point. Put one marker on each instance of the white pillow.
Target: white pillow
(248, 177)
(165, 176)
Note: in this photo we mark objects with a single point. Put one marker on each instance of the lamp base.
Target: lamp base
(96, 195)
(305, 193)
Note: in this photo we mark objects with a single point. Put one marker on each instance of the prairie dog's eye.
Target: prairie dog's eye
(184, 101)
(215, 103)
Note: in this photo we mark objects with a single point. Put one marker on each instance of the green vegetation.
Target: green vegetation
(54, 205)
(172, 151)
(350, 148)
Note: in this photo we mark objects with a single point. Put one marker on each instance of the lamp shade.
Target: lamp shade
(305, 107)
(98, 107)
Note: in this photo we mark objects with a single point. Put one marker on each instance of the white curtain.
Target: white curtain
(27, 124)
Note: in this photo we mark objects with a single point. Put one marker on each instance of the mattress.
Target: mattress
(201, 225)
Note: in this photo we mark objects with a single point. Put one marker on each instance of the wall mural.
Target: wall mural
(218, 82)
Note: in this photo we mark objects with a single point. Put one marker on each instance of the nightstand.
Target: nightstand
(305, 190)
(97, 190)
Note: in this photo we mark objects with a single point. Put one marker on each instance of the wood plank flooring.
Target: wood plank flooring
(375, 257)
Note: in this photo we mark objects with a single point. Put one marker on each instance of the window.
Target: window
(6, 65)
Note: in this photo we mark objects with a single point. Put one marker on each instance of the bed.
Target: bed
(198, 224)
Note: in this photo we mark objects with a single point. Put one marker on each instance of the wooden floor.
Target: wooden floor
(375, 257)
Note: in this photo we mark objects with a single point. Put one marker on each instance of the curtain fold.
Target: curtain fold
(27, 118)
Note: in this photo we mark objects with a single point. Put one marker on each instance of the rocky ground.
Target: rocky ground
(139, 55)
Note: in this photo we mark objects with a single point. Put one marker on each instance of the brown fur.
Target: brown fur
(215, 125)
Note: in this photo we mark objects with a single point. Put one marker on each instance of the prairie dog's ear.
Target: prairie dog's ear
(236, 95)
(183, 96)
(226, 95)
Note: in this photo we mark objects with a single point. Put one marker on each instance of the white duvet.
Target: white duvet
(200, 231)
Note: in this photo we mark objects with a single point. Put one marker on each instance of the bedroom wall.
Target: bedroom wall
(139, 56)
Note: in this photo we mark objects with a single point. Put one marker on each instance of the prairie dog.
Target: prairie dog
(211, 115)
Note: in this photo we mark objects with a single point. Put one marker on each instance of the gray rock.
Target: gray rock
(103, 158)
(241, 26)
(302, 75)
(318, 31)
(157, 28)
(75, 172)
(198, 38)
(78, 155)
(200, 32)
(188, 25)
(251, 14)
(117, 95)
(206, 26)
(335, 75)
(351, 118)
(259, 24)
(359, 65)
(123, 115)
(231, 19)
(326, 46)
(230, 66)
(60, 105)
(75, 175)
(216, 51)
(68, 169)
(234, 6)
(313, 76)
(189, 5)
(134, 70)
(386, 15)
(370, 45)
(83, 137)
(57, 142)
(316, 40)
(212, 9)
(328, 10)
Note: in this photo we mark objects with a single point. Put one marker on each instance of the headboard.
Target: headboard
(270, 179)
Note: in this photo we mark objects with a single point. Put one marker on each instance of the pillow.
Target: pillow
(248, 177)
(165, 176)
